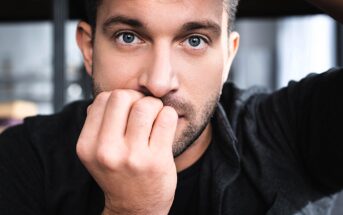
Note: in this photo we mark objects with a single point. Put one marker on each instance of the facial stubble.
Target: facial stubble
(195, 124)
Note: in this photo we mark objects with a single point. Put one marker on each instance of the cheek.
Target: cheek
(203, 76)
(116, 70)
(201, 82)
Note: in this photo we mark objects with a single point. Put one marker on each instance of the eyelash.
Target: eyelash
(205, 39)
(121, 33)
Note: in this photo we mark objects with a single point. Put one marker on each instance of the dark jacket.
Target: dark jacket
(279, 153)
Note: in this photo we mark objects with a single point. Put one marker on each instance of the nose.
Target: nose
(159, 77)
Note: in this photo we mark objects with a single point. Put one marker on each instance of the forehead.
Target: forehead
(164, 12)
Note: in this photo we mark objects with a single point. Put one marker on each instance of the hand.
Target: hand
(126, 145)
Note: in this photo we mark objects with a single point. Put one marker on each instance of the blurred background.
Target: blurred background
(41, 67)
(40, 62)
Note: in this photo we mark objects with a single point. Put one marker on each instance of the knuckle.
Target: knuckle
(132, 164)
(155, 102)
(102, 158)
(135, 164)
(147, 105)
(170, 112)
(107, 160)
(167, 117)
(101, 98)
(82, 151)
(141, 107)
(120, 95)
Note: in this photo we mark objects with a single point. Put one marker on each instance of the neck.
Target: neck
(195, 151)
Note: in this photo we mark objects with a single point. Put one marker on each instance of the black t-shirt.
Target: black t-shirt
(187, 191)
(281, 153)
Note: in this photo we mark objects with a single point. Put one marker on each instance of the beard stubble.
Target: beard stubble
(195, 124)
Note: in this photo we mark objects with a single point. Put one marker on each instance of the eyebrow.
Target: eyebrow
(206, 25)
(187, 27)
(121, 20)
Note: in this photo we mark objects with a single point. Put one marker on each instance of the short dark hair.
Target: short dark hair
(92, 6)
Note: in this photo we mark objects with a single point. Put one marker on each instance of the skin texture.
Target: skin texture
(154, 95)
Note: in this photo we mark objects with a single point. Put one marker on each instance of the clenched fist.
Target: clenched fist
(126, 145)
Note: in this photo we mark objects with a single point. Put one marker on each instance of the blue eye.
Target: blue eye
(194, 41)
(128, 37)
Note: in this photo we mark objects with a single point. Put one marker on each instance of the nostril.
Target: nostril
(144, 90)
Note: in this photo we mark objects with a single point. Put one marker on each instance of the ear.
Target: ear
(233, 48)
(84, 40)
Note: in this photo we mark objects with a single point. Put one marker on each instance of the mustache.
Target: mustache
(183, 108)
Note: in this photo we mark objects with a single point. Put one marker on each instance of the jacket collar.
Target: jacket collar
(221, 166)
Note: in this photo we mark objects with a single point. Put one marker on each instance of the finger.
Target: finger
(116, 115)
(163, 131)
(88, 136)
(141, 120)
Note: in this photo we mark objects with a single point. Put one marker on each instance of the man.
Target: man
(148, 143)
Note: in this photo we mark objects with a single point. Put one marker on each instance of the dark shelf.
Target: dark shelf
(273, 8)
(41, 10)
(25, 10)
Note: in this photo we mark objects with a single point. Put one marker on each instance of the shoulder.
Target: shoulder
(40, 155)
(235, 101)
(44, 133)
(64, 123)
(72, 116)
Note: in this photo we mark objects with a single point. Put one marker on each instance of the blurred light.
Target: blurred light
(74, 92)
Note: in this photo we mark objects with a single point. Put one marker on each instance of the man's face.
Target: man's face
(175, 50)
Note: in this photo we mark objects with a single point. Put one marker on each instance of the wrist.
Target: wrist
(136, 208)
(130, 210)
(107, 211)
